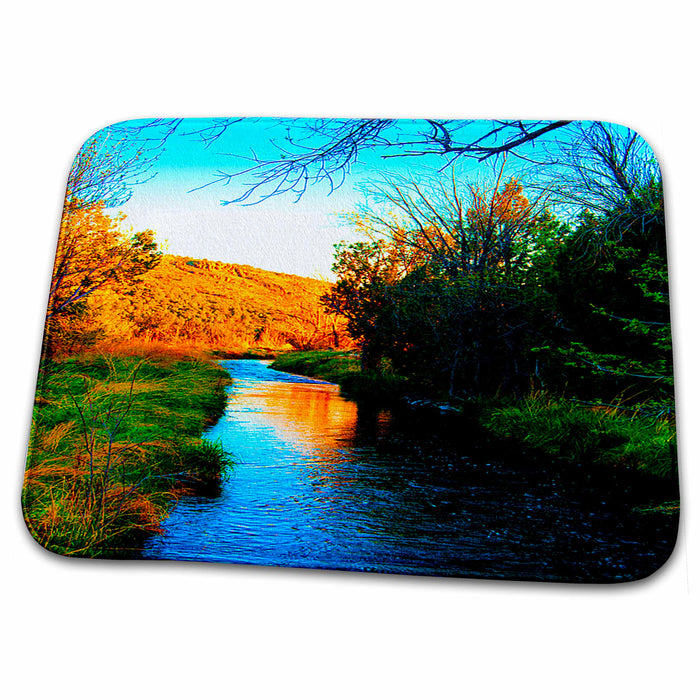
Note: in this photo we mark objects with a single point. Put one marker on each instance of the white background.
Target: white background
(83, 629)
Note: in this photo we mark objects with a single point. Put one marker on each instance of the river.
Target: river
(322, 482)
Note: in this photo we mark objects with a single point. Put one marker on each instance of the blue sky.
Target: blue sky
(278, 233)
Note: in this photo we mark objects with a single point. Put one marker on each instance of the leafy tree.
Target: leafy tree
(439, 291)
(460, 336)
(93, 252)
(366, 271)
(610, 282)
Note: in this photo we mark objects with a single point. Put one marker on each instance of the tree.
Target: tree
(451, 224)
(365, 270)
(469, 335)
(93, 252)
(599, 167)
(305, 152)
(313, 151)
(610, 282)
(439, 290)
(122, 156)
(109, 164)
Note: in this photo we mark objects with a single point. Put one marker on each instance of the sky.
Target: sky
(181, 200)
(278, 234)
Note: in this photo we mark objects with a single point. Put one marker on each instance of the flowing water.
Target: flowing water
(320, 481)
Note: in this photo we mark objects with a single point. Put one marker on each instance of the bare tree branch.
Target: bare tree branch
(599, 167)
(115, 160)
(324, 150)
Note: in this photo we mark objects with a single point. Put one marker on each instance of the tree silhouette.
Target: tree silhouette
(315, 151)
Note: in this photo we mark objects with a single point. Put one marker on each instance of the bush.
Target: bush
(343, 368)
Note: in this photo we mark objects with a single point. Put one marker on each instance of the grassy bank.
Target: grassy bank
(629, 440)
(114, 440)
(343, 368)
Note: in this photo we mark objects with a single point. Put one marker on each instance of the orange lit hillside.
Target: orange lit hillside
(217, 305)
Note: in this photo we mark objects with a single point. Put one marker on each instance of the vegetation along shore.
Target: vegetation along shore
(115, 440)
(614, 441)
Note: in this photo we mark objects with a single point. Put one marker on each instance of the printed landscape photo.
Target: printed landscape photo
(434, 347)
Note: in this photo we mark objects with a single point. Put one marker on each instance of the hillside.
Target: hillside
(215, 305)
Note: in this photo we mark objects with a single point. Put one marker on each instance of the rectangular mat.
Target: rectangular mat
(436, 347)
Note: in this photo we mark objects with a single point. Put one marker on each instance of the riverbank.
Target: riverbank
(342, 367)
(603, 439)
(114, 441)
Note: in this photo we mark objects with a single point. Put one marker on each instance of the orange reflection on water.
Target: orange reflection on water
(312, 416)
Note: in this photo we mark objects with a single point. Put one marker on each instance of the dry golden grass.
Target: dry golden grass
(143, 347)
(188, 305)
(66, 516)
(51, 439)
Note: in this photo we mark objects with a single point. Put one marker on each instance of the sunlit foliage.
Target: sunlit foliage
(93, 252)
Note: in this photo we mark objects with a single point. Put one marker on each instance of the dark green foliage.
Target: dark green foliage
(463, 337)
(579, 312)
(455, 330)
(609, 280)
(366, 271)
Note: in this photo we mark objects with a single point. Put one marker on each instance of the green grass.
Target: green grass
(583, 434)
(343, 368)
(331, 365)
(114, 440)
